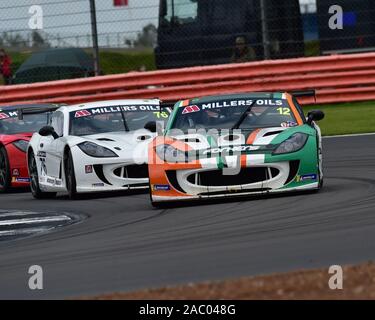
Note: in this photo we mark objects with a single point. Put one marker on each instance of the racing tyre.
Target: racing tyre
(154, 204)
(321, 180)
(70, 178)
(4, 171)
(320, 184)
(34, 180)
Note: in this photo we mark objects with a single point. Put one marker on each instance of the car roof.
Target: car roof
(253, 95)
(110, 103)
(27, 106)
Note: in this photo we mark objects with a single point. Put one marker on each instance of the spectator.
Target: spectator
(242, 52)
(5, 67)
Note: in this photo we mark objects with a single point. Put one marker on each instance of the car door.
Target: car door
(54, 148)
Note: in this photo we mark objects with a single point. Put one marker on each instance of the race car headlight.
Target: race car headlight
(96, 151)
(292, 144)
(21, 145)
(170, 154)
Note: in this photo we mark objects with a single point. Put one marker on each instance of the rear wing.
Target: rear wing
(168, 104)
(304, 93)
(37, 110)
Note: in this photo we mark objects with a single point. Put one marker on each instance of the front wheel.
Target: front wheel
(4, 171)
(153, 203)
(320, 184)
(320, 169)
(71, 184)
(34, 180)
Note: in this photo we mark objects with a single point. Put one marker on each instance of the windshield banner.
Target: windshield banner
(6, 115)
(115, 109)
(232, 103)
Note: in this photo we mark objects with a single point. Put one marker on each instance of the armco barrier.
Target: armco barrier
(337, 78)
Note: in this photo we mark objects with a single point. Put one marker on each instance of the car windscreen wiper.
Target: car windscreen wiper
(243, 116)
(124, 120)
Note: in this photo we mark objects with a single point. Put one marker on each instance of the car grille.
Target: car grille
(132, 171)
(216, 178)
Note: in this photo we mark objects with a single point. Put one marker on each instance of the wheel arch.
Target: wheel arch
(29, 151)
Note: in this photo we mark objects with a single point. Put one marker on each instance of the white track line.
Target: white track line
(350, 135)
(19, 213)
(33, 220)
(23, 231)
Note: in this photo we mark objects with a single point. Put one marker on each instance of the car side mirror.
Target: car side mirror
(150, 126)
(314, 115)
(48, 131)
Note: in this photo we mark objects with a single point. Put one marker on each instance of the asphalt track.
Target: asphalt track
(124, 244)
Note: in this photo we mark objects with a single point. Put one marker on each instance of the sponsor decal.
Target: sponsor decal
(82, 113)
(115, 109)
(3, 116)
(97, 185)
(231, 149)
(56, 182)
(191, 109)
(88, 169)
(15, 172)
(238, 103)
(311, 176)
(41, 154)
(289, 124)
(43, 166)
(22, 179)
(233, 188)
(161, 187)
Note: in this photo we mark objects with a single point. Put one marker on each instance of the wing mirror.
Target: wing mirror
(150, 126)
(48, 131)
(314, 115)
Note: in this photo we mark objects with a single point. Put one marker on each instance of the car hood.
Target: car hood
(6, 139)
(260, 137)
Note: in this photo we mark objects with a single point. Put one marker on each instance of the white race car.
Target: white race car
(94, 147)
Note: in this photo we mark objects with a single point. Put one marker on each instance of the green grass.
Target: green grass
(312, 48)
(125, 61)
(346, 118)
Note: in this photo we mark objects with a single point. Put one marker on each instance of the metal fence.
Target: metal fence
(139, 35)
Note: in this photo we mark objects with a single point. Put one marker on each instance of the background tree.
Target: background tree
(148, 36)
(38, 40)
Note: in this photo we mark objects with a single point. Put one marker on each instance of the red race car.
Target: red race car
(17, 125)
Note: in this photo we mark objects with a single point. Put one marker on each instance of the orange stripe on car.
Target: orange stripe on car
(252, 136)
(294, 109)
(185, 103)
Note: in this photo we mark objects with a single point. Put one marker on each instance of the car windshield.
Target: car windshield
(10, 124)
(243, 114)
(114, 118)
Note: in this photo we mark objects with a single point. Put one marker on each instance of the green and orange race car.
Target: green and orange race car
(232, 145)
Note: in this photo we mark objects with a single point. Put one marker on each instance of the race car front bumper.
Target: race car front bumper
(18, 167)
(108, 174)
(228, 176)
